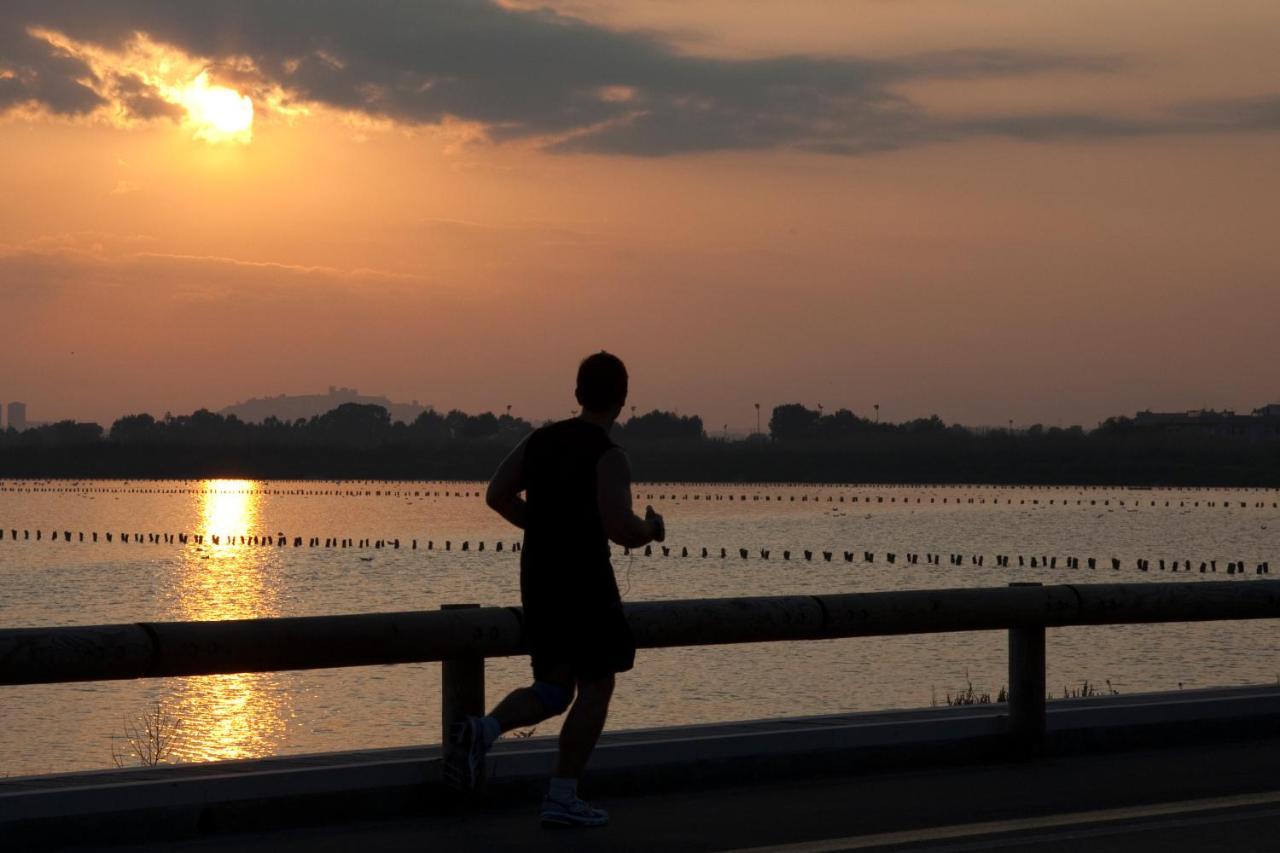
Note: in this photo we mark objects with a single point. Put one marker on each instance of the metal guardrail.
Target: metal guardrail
(462, 636)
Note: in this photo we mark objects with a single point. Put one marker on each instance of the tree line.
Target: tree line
(801, 445)
(350, 425)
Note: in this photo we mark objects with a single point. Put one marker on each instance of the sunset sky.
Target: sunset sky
(983, 209)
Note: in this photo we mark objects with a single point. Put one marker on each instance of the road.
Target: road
(1218, 797)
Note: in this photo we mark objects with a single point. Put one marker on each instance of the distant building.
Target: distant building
(17, 416)
(1262, 423)
(306, 406)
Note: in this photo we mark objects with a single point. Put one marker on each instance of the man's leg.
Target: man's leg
(578, 736)
(582, 727)
(528, 706)
(606, 647)
(549, 696)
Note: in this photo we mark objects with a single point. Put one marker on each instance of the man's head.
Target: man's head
(602, 384)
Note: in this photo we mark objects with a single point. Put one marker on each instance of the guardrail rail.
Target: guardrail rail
(462, 636)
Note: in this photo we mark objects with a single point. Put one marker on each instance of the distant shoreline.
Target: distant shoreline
(647, 484)
(975, 463)
(361, 442)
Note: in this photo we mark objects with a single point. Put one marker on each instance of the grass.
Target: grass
(1087, 689)
(970, 696)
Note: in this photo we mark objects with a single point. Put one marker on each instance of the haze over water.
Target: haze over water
(69, 727)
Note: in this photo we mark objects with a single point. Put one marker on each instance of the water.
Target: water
(57, 728)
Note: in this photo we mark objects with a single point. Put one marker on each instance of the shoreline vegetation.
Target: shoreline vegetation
(357, 441)
(970, 696)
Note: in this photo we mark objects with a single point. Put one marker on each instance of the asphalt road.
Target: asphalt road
(1223, 797)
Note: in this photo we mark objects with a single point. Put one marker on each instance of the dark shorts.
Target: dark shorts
(590, 641)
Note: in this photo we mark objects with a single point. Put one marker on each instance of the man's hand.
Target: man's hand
(621, 524)
(656, 524)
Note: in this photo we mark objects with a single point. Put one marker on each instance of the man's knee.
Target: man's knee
(555, 698)
(596, 690)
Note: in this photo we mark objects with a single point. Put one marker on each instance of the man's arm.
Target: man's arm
(503, 494)
(613, 491)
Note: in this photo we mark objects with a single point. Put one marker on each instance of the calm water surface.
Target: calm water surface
(72, 727)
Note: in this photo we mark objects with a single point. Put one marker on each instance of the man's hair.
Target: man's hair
(602, 382)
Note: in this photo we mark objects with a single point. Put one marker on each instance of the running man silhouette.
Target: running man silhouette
(577, 487)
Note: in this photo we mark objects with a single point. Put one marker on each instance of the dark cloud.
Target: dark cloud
(1220, 116)
(536, 74)
(139, 100)
(1260, 113)
(34, 71)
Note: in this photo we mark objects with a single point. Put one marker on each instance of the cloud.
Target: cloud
(535, 75)
(34, 71)
(72, 266)
(1258, 113)
(139, 100)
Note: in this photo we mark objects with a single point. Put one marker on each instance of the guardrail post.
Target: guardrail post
(1026, 685)
(461, 690)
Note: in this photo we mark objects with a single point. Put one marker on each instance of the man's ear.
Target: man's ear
(577, 395)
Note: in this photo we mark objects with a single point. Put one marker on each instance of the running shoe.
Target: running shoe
(462, 771)
(576, 812)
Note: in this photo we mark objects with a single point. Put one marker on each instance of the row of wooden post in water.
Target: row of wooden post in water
(705, 497)
(280, 540)
(403, 487)
(1003, 560)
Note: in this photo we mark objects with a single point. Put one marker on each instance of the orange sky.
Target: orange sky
(988, 210)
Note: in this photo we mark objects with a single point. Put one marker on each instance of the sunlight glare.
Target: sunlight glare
(216, 113)
(228, 508)
(234, 715)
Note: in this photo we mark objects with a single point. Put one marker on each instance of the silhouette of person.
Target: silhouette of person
(577, 497)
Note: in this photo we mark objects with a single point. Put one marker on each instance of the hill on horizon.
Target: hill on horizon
(291, 407)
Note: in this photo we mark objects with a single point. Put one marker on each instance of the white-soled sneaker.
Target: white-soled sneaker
(463, 771)
(576, 812)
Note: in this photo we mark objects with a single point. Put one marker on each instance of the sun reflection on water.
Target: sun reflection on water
(229, 716)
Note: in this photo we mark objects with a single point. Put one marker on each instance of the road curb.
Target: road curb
(167, 803)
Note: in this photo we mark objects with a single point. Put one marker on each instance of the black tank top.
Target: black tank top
(565, 558)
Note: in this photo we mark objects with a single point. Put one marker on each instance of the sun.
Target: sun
(216, 113)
